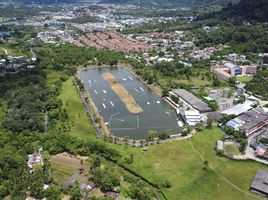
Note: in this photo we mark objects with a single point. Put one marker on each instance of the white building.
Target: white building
(191, 117)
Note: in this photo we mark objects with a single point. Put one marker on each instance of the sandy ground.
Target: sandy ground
(123, 94)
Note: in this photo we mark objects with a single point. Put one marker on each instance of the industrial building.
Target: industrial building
(259, 184)
(192, 100)
(250, 121)
(191, 117)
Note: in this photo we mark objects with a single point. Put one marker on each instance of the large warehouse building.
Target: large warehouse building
(192, 100)
(250, 121)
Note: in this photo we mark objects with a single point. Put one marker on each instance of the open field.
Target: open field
(244, 79)
(181, 165)
(81, 126)
(232, 149)
(123, 94)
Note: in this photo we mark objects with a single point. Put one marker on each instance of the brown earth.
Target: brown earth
(122, 93)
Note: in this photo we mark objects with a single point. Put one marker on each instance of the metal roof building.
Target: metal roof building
(192, 100)
(260, 183)
(238, 109)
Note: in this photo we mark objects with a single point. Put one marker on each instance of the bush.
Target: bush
(166, 184)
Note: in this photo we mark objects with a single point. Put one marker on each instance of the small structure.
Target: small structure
(220, 145)
(259, 184)
(87, 187)
(35, 159)
(113, 195)
(69, 183)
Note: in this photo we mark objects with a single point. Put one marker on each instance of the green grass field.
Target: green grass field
(176, 162)
(61, 173)
(232, 149)
(81, 125)
(244, 79)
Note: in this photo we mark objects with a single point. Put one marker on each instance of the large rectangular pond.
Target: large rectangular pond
(157, 115)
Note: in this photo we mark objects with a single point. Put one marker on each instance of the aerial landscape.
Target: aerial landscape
(133, 100)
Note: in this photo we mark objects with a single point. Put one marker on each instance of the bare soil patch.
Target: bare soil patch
(69, 160)
(123, 94)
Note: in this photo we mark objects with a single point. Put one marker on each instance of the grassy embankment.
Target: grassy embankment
(122, 93)
(244, 79)
(177, 162)
(80, 123)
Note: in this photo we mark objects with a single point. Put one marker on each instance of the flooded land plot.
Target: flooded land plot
(152, 113)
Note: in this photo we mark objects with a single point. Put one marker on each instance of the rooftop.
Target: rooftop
(238, 109)
(192, 100)
(260, 182)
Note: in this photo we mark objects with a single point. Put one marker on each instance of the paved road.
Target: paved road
(249, 152)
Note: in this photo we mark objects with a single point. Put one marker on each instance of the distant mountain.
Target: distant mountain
(170, 2)
(47, 1)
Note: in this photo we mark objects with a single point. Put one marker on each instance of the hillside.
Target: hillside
(250, 10)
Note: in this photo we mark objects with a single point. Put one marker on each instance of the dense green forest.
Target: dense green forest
(259, 84)
(65, 57)
(25, 97)
(21, 12)
(241, 38)
(250, 10)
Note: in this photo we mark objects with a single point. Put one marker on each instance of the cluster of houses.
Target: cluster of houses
(53, 35)
(14, 64)
(113, 41)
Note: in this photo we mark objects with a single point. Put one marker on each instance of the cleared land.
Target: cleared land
(122, 93)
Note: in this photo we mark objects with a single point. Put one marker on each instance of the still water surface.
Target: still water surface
(157, 114)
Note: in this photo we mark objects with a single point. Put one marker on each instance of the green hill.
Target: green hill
(245, 10)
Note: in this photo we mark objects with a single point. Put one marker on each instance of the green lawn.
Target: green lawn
(244, 79)
(53, 75)
(183, 168)
(61, 173)
(232, 149)
(81, 125)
